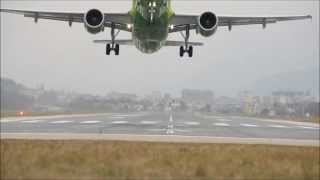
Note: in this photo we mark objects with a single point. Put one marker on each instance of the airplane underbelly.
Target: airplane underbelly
(148, 45)
(149, 37)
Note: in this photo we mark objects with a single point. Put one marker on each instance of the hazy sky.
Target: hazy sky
(66, 59)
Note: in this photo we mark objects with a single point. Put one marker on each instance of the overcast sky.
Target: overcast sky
(64, 58)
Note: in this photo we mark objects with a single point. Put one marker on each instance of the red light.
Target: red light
(21, 113)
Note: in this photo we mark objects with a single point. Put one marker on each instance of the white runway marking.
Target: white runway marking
(170, 131)
(278, 126)
(157, 130)
(89, 122)
(223, 120)
(60, 122)
(182, 130)
(127, 115)
(136, 115)
(170, 126)
(220, 124)
(308, 127)
(4, 120)
(121, 115)
(249, 125)
(193, 123)
(170, 119)
(119, 122)
(31, 121)
(117, 117)
(149, 122)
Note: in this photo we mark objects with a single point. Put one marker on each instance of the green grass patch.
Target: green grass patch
(45, 159)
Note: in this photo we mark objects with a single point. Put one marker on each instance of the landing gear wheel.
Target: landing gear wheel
(113, 46)
(186, 48)
(108, 49)
(117, 49)
(181, 51)
(190, 51)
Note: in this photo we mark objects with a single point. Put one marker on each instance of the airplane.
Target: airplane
(150, 22)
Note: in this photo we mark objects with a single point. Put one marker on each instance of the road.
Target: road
(163, 124)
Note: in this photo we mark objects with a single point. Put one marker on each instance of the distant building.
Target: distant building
(122, 96)
(155, 97)
(248, 101)
(291, 97)
(227, 105)
(197, 99)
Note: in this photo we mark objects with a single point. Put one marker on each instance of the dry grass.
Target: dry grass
(22, 159)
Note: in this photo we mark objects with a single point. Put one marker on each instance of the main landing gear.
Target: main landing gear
(113, 46)
(186, 49)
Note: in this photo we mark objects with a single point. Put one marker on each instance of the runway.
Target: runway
(168, 124)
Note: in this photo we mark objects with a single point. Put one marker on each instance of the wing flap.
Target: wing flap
(62, 16)
(230, 20)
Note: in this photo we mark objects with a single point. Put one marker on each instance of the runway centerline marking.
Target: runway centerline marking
(89, 122)
(249, 125)
(220, 124)
(170, 131)
(278, 126)
(119, 122)
(193, 123)
(170, 118)
(60, 122)
(149, 122)
(32, 121)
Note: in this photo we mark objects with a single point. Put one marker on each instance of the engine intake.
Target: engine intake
(207, 23)
(94, 21)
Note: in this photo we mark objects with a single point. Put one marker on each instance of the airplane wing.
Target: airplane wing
(179, 22)
(120, 20)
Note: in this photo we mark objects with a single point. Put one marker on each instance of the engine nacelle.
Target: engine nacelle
(207, 24)
(94, 21)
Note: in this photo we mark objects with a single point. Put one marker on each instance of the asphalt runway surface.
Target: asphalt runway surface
(163, 123)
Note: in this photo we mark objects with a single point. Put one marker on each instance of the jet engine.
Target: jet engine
(94, 21)
(207, 24)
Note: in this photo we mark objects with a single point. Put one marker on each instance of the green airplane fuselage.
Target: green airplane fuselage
(150, 24)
